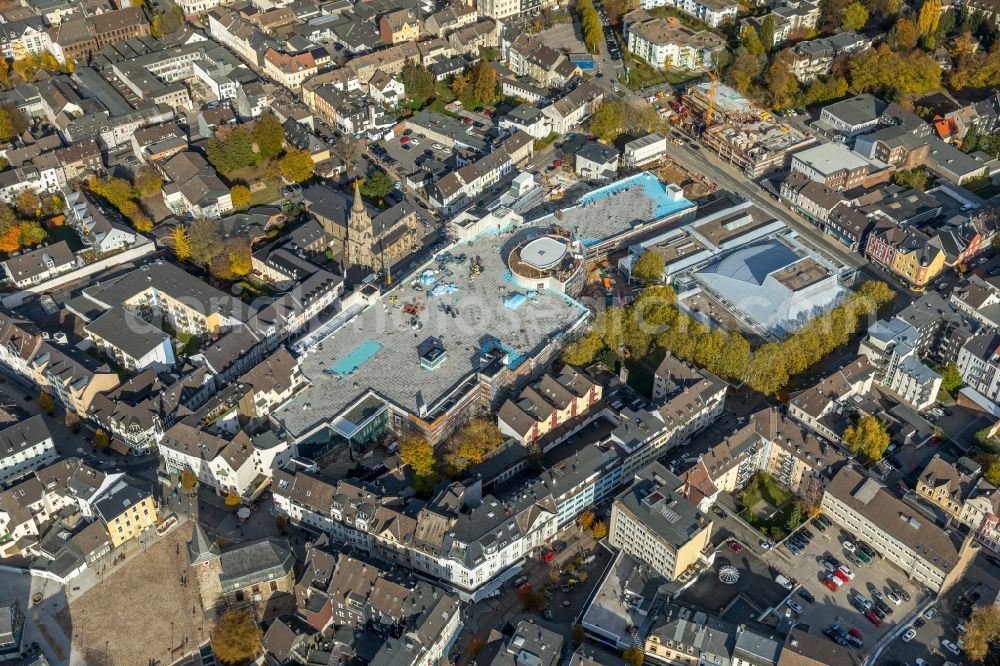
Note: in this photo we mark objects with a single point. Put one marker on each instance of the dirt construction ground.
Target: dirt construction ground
(132, 617)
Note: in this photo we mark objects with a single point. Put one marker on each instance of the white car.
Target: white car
(929, 614)
(909, 635)
(849, 546)
(764, 545)
(891, 596)
(847, 571)
(950, 647)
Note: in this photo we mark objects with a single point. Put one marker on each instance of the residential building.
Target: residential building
(24, 447)
(712, 12)
(193, 187)
(681, 635)
(289, 70)
(960, 490)
(458, 188)
(833, 165)
(979, 362)
(891, 348)
(133, 343)
(530, 643)
(899, 533)
(528, 119)
(819, 407)
(575, 107)
(646, 150)
(126, 509)
(597, 161)
(22, 37)
(544, 406)
(814, 58)
(72, 377)
(399, 26)
(654, 522)
(33, 267)
(241, 464)
(663, 44)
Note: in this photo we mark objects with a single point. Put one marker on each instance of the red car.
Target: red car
(404, 139)
(467, 120)
(857, 634)
(829, 582)
(873, 618)
(842, 576)
(735, 547)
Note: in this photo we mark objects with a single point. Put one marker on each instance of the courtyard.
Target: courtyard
(142, 612)
(767, 506)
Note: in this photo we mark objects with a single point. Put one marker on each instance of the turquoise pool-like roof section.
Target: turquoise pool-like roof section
(377, 350)
(620, 206)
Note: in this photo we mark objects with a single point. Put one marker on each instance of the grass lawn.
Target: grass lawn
(65, 233)
(642, 75)
(763, 487)
(256, 288)
(257, 174)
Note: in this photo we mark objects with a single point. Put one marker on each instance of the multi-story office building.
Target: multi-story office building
(654, 522)
(898, 532)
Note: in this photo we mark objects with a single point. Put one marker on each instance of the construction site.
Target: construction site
(742, 133)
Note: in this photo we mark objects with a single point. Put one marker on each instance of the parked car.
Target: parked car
(847, 571)
(794, 606)
(828, 564)
(830, 584)
(950, 647)
(930, 614)
(735, 547)
(873, 618)
(806, 594)
(842, 576)
(909, 635)
(891, 596)
(857, 634)
(863, 604)
(849, 547)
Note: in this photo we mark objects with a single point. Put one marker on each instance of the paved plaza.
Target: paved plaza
(141, 611)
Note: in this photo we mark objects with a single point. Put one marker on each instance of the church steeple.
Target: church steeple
(359, 220)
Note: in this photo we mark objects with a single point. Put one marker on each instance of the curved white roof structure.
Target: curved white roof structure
(543, 253)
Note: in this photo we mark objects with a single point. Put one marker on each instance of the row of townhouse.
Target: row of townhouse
(121, 505)
(542, 407)
(471, 551)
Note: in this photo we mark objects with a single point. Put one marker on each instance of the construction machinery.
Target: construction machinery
(710, 97)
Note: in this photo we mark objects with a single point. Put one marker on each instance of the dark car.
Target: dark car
(806, 594)
(559, 546)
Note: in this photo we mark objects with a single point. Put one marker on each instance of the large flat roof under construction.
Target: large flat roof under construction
(474, 310)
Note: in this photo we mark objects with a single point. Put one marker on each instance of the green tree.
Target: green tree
(767, 33)
(917, 178)
(46, 403)
(231, 149)
(868, 438)
(241, 196)
(32, 233)
(268, 136)
(204, 240)
(377, 184)
(971, 139)
(633, 656)
(418, 82)
(297, 166)
(751, 41)
(743, 71)
(982, 632)
(951, 378)
(794, 518)
(236, 638)
(649, 268)
(148, 182)
(782, 84)
(855, 16)
(608, 121)
(419, 455)
(582, 351)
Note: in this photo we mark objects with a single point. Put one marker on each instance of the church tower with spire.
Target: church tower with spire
(204, 560)
(359, 231)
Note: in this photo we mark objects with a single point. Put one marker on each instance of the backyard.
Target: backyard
(639, 74)
(768, 506)
(263, 185)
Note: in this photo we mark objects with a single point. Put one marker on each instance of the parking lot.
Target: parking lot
(980, 584)
(835, 607)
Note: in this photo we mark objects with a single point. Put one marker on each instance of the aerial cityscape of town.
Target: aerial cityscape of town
(500, 332)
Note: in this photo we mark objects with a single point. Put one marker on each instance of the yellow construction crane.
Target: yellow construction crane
(710, 97)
